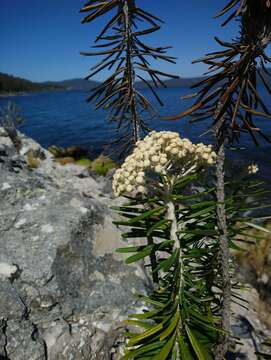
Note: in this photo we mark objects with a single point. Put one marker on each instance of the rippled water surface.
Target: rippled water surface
(64, 118)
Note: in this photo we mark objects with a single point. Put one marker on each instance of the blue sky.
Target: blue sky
(41, 39)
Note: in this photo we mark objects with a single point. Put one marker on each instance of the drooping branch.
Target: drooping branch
(128, 57)
(235, 73)
(228, 96)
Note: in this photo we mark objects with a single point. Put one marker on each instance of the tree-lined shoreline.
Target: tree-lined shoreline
(12, 85)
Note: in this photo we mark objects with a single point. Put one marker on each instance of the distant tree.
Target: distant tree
(13, 84)
(127, 57)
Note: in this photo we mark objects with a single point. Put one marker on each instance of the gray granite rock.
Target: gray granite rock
(247, 327)
(64, 292)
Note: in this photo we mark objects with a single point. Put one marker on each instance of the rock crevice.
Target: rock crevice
(63, 292)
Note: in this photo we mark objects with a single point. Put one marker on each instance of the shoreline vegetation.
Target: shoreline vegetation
(15, 86)
(11, 85)
(77, 155)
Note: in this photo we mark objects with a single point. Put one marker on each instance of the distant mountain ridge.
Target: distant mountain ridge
(74, 84)
(173, 83)
(82, 84)
(12, 84)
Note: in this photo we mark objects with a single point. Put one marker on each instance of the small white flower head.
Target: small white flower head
(253, 169)
(161, 153)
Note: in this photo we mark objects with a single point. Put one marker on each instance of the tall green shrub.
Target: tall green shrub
(172, 207)
(187, 214)
(229, 96)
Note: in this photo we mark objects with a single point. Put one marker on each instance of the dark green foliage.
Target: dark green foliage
(265, 355)
(178, 321)
(181, 319)
(12, 84)
(127, 56)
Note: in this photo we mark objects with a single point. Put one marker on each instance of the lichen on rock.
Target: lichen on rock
(55, 306)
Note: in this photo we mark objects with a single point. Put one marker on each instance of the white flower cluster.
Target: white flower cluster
(160, 152)
(253, 169)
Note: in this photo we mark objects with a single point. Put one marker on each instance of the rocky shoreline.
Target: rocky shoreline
(66, 291)
(6, 95)
(63, 290)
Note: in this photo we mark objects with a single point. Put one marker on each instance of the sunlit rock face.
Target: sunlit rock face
(63, 291)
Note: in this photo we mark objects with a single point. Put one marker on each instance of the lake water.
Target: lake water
(64, 119)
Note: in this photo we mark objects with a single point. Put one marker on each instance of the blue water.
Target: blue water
(64, 119)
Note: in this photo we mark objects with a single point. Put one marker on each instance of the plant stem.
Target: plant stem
(130, 73)
(153, 260)
(176, 247)
(224, 252)
(174, 236)
(174, 226)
